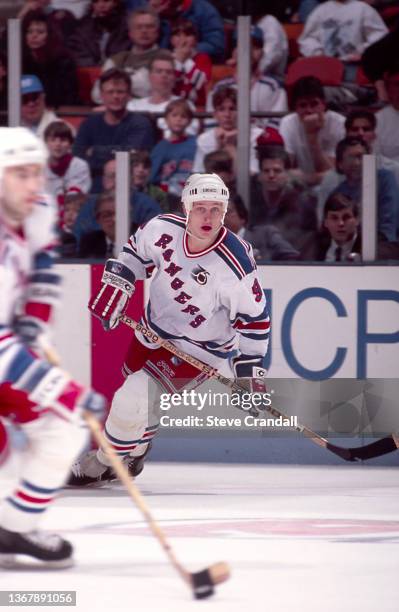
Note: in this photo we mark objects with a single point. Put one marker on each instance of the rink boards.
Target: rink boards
(326, 322)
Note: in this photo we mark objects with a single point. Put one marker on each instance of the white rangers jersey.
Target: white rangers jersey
(211, 300)
(29, 286)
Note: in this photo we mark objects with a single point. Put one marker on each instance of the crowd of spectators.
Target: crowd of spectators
(154, 63)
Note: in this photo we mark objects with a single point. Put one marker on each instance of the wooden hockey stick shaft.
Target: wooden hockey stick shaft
(213, 373)
(198, 581)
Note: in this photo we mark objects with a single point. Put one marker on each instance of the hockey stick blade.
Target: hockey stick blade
(344, 453)
(372, 450)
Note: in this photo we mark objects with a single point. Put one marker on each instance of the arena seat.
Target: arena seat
(293, 31)
(219, 72)
(329, 70)
(87, 76)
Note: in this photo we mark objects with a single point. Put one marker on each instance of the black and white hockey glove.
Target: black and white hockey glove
(249, 366)
(116, 289)
(251, 377)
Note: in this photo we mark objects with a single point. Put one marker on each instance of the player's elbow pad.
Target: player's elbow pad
(116, 289)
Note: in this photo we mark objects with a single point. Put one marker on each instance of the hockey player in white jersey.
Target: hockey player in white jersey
(205, 297)
(40, 399)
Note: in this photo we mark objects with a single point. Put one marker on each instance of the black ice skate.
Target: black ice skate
(89, 471)
(49, 549)
(135, 465)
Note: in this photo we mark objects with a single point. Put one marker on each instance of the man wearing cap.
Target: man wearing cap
(34, 114)
(266, 92)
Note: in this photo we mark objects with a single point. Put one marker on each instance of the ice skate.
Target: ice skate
(88, 470)
(135, 465)
(49, 549)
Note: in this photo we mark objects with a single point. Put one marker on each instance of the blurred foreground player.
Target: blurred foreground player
(40, 399)
(205, 297)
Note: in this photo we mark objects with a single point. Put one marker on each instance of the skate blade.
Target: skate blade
(90, 485)
(27, 563)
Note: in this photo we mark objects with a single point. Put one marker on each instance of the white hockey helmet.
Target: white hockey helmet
(204, 187)
(19, 147)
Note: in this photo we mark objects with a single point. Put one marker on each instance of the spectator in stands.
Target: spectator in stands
(275, 47)
(141, 170)
(43, 54)
(202, 14)
(359, 124)
(142, 206)
(193, 69)
(100, 243)
(340, 237)
(224, 135)
(349, 156)
(101, 33)
(279, 198)
(61, 18)
(266, 240)
(72, 204)
(115, 129)
(380, 57)
(77, 7)
(311, 132)
(221, 163)
(34, 113)
(266, 92)
(172, 158)
(64, 171)
(343, 29)
(143, 34)
(388, 117)
(162, 82)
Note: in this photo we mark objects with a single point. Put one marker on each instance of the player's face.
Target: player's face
(341, 224)
(205, 219)
(362, 128)
(21, 186)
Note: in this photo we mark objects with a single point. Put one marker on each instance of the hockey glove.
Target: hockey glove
(251, 375)
(29, 329)
(117, 287)
(249, 366)
(51, 389)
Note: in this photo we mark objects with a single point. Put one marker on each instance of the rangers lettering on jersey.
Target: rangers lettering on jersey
(217, 286)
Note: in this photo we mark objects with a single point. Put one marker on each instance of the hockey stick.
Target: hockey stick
(374, 449)
(202, 583)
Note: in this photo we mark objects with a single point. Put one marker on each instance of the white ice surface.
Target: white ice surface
(298, 539)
